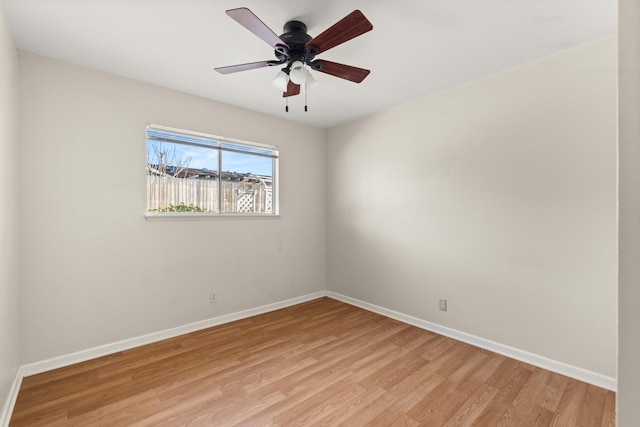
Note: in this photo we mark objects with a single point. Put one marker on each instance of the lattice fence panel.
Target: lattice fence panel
(245, 201)
(268, 203)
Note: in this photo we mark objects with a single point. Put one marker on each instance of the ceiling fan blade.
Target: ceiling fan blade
(243, 67)
(346, 72)
(292, 90)
(351, 26)
(251, 22)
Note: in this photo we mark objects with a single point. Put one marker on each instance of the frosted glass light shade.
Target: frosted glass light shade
(298, 73)
(310, 83)
(281, 81)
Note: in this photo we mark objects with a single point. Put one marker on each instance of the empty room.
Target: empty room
(305, 213)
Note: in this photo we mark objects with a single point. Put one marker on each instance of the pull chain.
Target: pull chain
(305, 97)
(286, 107)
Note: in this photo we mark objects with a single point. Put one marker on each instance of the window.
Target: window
(194, 173)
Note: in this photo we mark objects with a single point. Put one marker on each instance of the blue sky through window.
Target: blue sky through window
(201, 157)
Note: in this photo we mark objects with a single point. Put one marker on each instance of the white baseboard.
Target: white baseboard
(103, 350)
(7, 410)
(514, 353)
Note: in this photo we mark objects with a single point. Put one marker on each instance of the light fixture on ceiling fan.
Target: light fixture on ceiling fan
(298, 74)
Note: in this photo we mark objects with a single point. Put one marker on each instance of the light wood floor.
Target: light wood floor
(317, 363)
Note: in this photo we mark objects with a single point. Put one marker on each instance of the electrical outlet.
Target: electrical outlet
(213, 298)
(443, 304)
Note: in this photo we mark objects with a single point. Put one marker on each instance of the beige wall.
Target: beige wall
(629, 212)
(499, 196)
(93, 270)
(9, 293)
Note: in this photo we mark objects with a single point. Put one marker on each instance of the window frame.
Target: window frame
(218, 143)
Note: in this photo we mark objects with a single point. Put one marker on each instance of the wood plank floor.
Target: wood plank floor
(318, 363)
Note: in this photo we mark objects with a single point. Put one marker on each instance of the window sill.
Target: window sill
(204, 216)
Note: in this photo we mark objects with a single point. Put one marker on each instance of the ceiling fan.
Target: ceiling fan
(297, 50)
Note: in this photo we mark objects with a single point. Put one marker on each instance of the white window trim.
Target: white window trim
(191, 216)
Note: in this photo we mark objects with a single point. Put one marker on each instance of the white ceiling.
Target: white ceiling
(416, 48)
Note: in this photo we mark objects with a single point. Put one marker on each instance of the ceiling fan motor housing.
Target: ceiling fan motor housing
(296, 37)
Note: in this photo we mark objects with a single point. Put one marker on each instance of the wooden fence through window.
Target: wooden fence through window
(238, 196)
